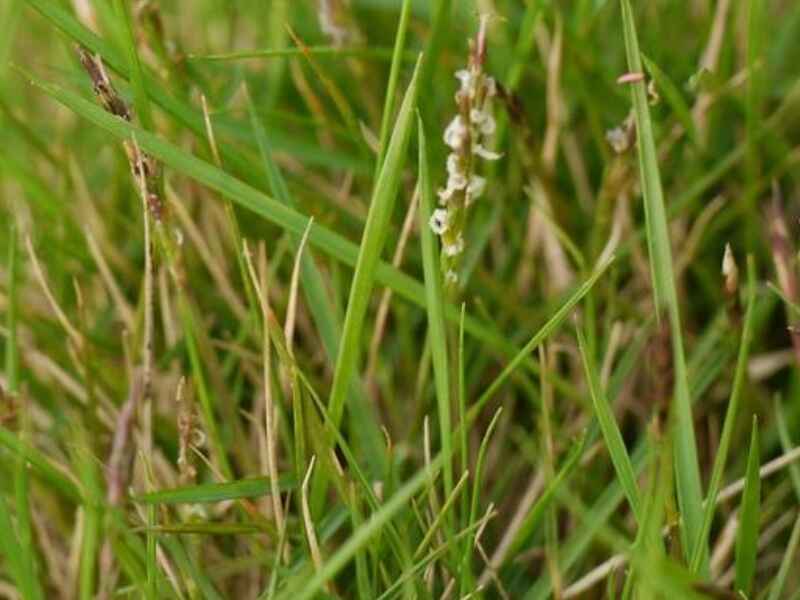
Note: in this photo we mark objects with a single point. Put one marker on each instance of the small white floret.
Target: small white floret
(455, 248)
(479, 150)
(440, 221)
(476, 187)
(456, 133)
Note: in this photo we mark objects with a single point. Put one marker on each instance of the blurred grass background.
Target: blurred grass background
(119, 480)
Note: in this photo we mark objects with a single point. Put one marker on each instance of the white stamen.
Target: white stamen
(457, 181)
(453, 164)
(440, 221)
(445, 194)
(476, 187)
(466, 78)
(617, 139)
(455, 248)
(456, 133)
(479, 150)
(487, 126)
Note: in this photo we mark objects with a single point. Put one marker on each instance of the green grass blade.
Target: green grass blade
(731, 415)
(387, 54)
(11, 549)
(467, 578)
(537, 512)
(658, 241)
(437, 333)
(749, 514)
(439, 23)
(673, 97)
(42, 466)
(18, 547)
(786, 443)
(372, 242)
(12, 352)
(391, 88)
(214, 492)
(611, 434)
(322, 311)
(787, 563)
(198, 576)
(86, 466)
(551, 325)
(141, 102)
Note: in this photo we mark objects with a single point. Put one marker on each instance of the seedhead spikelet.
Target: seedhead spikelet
(467, 136)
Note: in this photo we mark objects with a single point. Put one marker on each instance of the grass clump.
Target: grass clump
(259, 342)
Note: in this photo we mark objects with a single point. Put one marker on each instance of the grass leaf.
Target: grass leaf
(749, 514)
(787, 562)
(731, 415)
(666, 298)
(372, 242)
(611, 434)
(437, 333)
(213, 492)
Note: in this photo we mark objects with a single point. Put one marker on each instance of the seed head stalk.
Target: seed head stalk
(466, 136)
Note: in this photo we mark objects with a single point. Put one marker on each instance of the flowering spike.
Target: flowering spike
(467, 135)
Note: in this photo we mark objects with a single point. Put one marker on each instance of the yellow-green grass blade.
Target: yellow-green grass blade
(437, 333)
(16, 542)
(206, 493)
(391, 87)
(386, 54)
(787, 563)
(537, 512)
(731, 415)
(551, 325)
(749, 514)
(611, 434)
(372, 243)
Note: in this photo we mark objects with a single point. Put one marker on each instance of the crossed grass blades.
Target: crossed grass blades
(380, 299)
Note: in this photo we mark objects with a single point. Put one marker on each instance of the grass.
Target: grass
(215, 213)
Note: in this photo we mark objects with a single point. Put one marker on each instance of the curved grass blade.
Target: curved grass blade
(178, 109)
(537, 511)
(550, 326)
